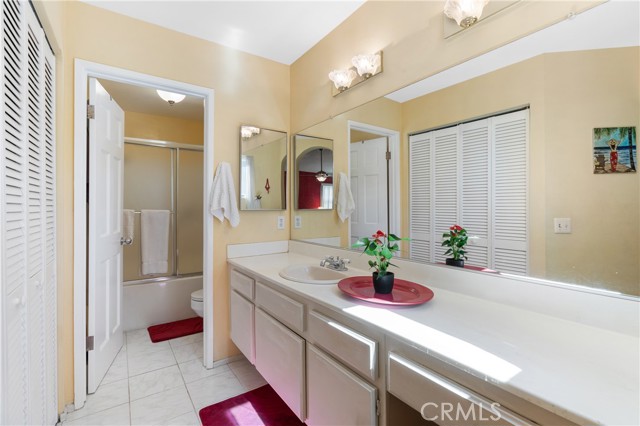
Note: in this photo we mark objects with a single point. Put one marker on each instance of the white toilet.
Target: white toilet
(196, 302)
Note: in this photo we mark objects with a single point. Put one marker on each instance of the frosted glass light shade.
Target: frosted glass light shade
(464, 12)
(247, 131)
(366, 64)
(172, 98)
(342, 78)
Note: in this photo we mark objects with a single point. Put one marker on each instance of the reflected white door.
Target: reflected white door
(368, 171)
(106, 156)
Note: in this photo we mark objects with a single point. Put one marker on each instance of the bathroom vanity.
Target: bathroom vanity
(458, 359)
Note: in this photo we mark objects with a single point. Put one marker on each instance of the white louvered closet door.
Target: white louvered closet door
(510, 224)
(28, 331)
(445, 186)
(420, 192)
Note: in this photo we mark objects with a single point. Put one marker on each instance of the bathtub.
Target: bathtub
(150, 302)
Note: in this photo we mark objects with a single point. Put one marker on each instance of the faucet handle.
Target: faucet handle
(345, 261)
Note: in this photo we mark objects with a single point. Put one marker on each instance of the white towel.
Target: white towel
(346, 205)
(222, 200)
(128, 224)
(154, 230)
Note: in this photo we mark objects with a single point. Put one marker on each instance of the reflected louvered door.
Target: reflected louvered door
(420, 193)
(510, 222)
(475, 187)
(28, 368)
(445, 177)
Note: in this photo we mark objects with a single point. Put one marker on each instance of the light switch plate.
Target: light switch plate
(280, 222)
(297, 222)
(562, 225)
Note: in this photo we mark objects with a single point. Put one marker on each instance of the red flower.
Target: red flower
(455, 228)
(379, 234)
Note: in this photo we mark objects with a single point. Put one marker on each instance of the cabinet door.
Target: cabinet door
(242, 332)
(280, 360)
(336, 396)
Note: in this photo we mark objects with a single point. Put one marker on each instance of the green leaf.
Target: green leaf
(386, 253)
(393, 237)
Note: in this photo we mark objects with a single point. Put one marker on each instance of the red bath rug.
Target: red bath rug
(171, 330)
(259, 407)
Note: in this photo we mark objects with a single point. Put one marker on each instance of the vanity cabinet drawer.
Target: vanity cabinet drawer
(441, 400)
(352, 348)
(242, 284)
(285, 309)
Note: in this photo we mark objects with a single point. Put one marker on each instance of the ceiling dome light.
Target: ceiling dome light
(342, 78)
(366, 64)
(172, 98)
(464, 12)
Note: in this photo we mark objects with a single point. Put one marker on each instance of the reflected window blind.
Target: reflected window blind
(28, 364)
(473, 174)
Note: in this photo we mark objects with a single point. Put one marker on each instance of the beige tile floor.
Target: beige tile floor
(162, 384)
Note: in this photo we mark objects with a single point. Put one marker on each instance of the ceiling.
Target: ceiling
(278, 30)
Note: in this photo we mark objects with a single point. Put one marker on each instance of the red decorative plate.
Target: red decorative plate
(404, 293)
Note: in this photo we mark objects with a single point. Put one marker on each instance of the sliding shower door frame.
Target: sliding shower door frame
(175, 148)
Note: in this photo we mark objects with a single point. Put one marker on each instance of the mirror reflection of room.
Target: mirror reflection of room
(314, 173)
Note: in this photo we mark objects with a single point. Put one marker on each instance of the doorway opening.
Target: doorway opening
(374, 171)
(83, 253)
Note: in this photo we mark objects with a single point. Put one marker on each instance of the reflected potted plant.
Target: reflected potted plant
(382, 247)
(456, 240)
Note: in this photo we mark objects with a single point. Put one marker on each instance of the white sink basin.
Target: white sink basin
(311, 274)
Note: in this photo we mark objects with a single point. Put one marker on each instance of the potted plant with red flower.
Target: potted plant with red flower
(382, 247)
(456, 240)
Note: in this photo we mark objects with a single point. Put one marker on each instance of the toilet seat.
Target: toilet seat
(197, 296)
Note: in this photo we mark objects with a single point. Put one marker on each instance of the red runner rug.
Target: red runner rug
(171, 330)
(259, 407)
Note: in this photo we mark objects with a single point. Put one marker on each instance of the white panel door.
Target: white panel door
(106, 155)
(368, 172)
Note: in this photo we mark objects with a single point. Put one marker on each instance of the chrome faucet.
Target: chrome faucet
(336, 263)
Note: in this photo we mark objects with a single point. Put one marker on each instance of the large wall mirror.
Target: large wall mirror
(263, 169)
(564, 95)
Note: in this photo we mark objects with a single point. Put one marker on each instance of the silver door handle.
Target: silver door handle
(126, 241)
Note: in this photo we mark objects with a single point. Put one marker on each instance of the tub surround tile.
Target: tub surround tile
(186, 340)
(107, 396)
(188, 352)
(194, 370)
(161, 407)
(154, 382)
(208, 391)
(145, 362)
(116, 416)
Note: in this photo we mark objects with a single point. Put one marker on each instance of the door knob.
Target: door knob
(126, 241)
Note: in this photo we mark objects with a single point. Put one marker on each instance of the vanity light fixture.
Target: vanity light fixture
(170, 97)
(321, 176)
(464, 12)
(364, 67)
(248, 131)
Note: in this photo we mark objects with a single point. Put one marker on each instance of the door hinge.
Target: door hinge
(89, 343)
(377, 407)
(387, 155)
(91, 112)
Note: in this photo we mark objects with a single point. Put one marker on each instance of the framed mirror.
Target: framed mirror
(313, 173)
(263, 169)
(569, 95)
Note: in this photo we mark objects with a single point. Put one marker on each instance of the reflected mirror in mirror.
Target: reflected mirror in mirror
(566, 95)
(263, 169)
(314, 173)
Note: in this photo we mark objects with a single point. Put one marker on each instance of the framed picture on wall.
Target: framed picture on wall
(614, 150)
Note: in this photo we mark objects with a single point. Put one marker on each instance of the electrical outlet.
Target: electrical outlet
(280, 222)
(297, 222)
(562, 225)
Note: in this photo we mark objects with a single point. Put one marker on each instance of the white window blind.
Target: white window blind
(27, 221)
(475, 175)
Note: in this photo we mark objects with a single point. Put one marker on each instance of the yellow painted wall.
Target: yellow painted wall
(160, 127)
(247, 89)
(410, 33)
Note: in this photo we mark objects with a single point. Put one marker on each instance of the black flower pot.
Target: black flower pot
(455, 262)
(383, 284)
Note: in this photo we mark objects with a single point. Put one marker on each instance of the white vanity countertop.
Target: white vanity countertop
(586, 374)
